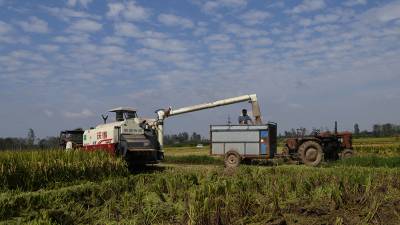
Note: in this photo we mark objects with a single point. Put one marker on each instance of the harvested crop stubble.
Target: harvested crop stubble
(259, 195)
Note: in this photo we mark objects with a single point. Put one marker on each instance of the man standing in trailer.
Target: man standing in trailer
(244, 118)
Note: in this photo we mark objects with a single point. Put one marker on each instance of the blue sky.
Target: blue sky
(63, 63)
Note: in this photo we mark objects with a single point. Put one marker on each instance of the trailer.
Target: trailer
(238, 143)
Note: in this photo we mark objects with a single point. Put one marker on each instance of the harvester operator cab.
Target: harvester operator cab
(124, 113)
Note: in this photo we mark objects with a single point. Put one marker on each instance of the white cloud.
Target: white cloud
(319, 19)
(233, 2)
(111, 50)
(114, 40)
(254, 17)
(388, 12)
(173, 20)
(354, 2)
(85, 25)
(305, 22)
(221, 46)
(309, 5)
(13, 40)
(200, 29)
(84, 3)
(181, 59)
(376, 16)
(325, 18)
(127, 10)
(220, 43)
(263, 41)
(172, 45)
(211, 6)
(49, 48)
(126, 29)
(276, 4)
(4, 27)
(295, 106)
(66, 14)
(72, 39)
(82, 114)
(48, 113)
(242, 31)
(115, 9)
(217, 37)
(35, 25)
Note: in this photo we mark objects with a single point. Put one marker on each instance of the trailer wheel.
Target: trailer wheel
(347, 153)
(232, 159)
(311, 153)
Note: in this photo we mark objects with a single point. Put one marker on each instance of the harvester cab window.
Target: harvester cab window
(130, 115)
(119, 116)
(124, 115)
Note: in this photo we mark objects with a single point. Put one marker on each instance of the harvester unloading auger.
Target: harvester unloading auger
(140, 141)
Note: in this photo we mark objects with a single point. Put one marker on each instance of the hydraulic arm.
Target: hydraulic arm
(162, 114)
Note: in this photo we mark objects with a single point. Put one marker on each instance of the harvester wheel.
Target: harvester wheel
(311, 153)
(232, 159)
(347, 153)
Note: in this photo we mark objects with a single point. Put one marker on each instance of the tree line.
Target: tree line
(30, 142)
(184, 139)
(378, 130)
(385, 130)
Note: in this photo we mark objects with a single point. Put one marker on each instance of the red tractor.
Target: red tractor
(312, 150)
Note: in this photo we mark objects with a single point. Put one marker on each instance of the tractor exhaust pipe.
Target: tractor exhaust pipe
(336, 127)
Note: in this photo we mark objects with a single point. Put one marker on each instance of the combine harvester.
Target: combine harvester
(140, 141)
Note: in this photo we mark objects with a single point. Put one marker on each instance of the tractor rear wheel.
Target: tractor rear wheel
(347, 153)
(232, 159)
(311, 153)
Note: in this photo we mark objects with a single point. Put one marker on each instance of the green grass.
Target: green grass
(378, 150)
(378, 140)
(370, 161)
(194, 160)
(181, 151)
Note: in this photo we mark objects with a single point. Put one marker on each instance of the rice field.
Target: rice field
(190, 187)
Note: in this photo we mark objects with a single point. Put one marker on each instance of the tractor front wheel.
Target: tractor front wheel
(347, 153)
(311, 153)
(232, 159)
